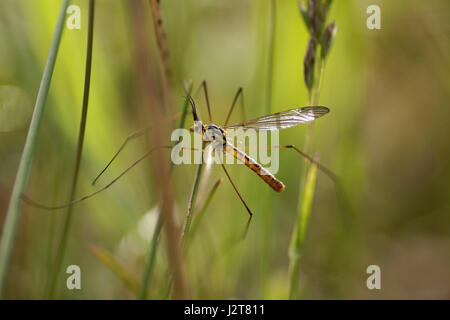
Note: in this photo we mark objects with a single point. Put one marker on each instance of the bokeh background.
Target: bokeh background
(386, 137)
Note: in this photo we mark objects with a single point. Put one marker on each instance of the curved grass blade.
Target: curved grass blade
(298, 236)
(13, 213)
(202, 211)
(68, 218)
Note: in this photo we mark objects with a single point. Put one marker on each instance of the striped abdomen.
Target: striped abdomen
(269, 178)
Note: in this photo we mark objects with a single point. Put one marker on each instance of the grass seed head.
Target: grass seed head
(327, 39)
(309, 63)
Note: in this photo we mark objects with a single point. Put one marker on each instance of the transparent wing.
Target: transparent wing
(282, 120)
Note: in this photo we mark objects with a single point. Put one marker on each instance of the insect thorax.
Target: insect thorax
(214, 134)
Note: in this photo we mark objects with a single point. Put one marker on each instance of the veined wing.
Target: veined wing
(282, 120)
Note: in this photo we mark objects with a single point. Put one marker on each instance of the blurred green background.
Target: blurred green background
(386, 137)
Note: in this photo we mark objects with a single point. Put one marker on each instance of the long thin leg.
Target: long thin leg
(205, 91)
(35, 204)
(237, 191)
(240, 197)
(321, 167)
(38, 205)
(240, 92)
(128, 139)
(133, 136)
(324, 169)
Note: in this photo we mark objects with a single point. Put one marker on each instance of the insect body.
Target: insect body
(262, 172)
(216, 135)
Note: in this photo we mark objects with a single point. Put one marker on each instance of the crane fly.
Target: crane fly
(216, 135)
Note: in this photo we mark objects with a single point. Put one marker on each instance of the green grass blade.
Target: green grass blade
(298, 235)
(115, 266)
(192, 201)
(81, 133)
(202, 212)
(189, 212)
(155, 239)
(23, 172)
(270, 58)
